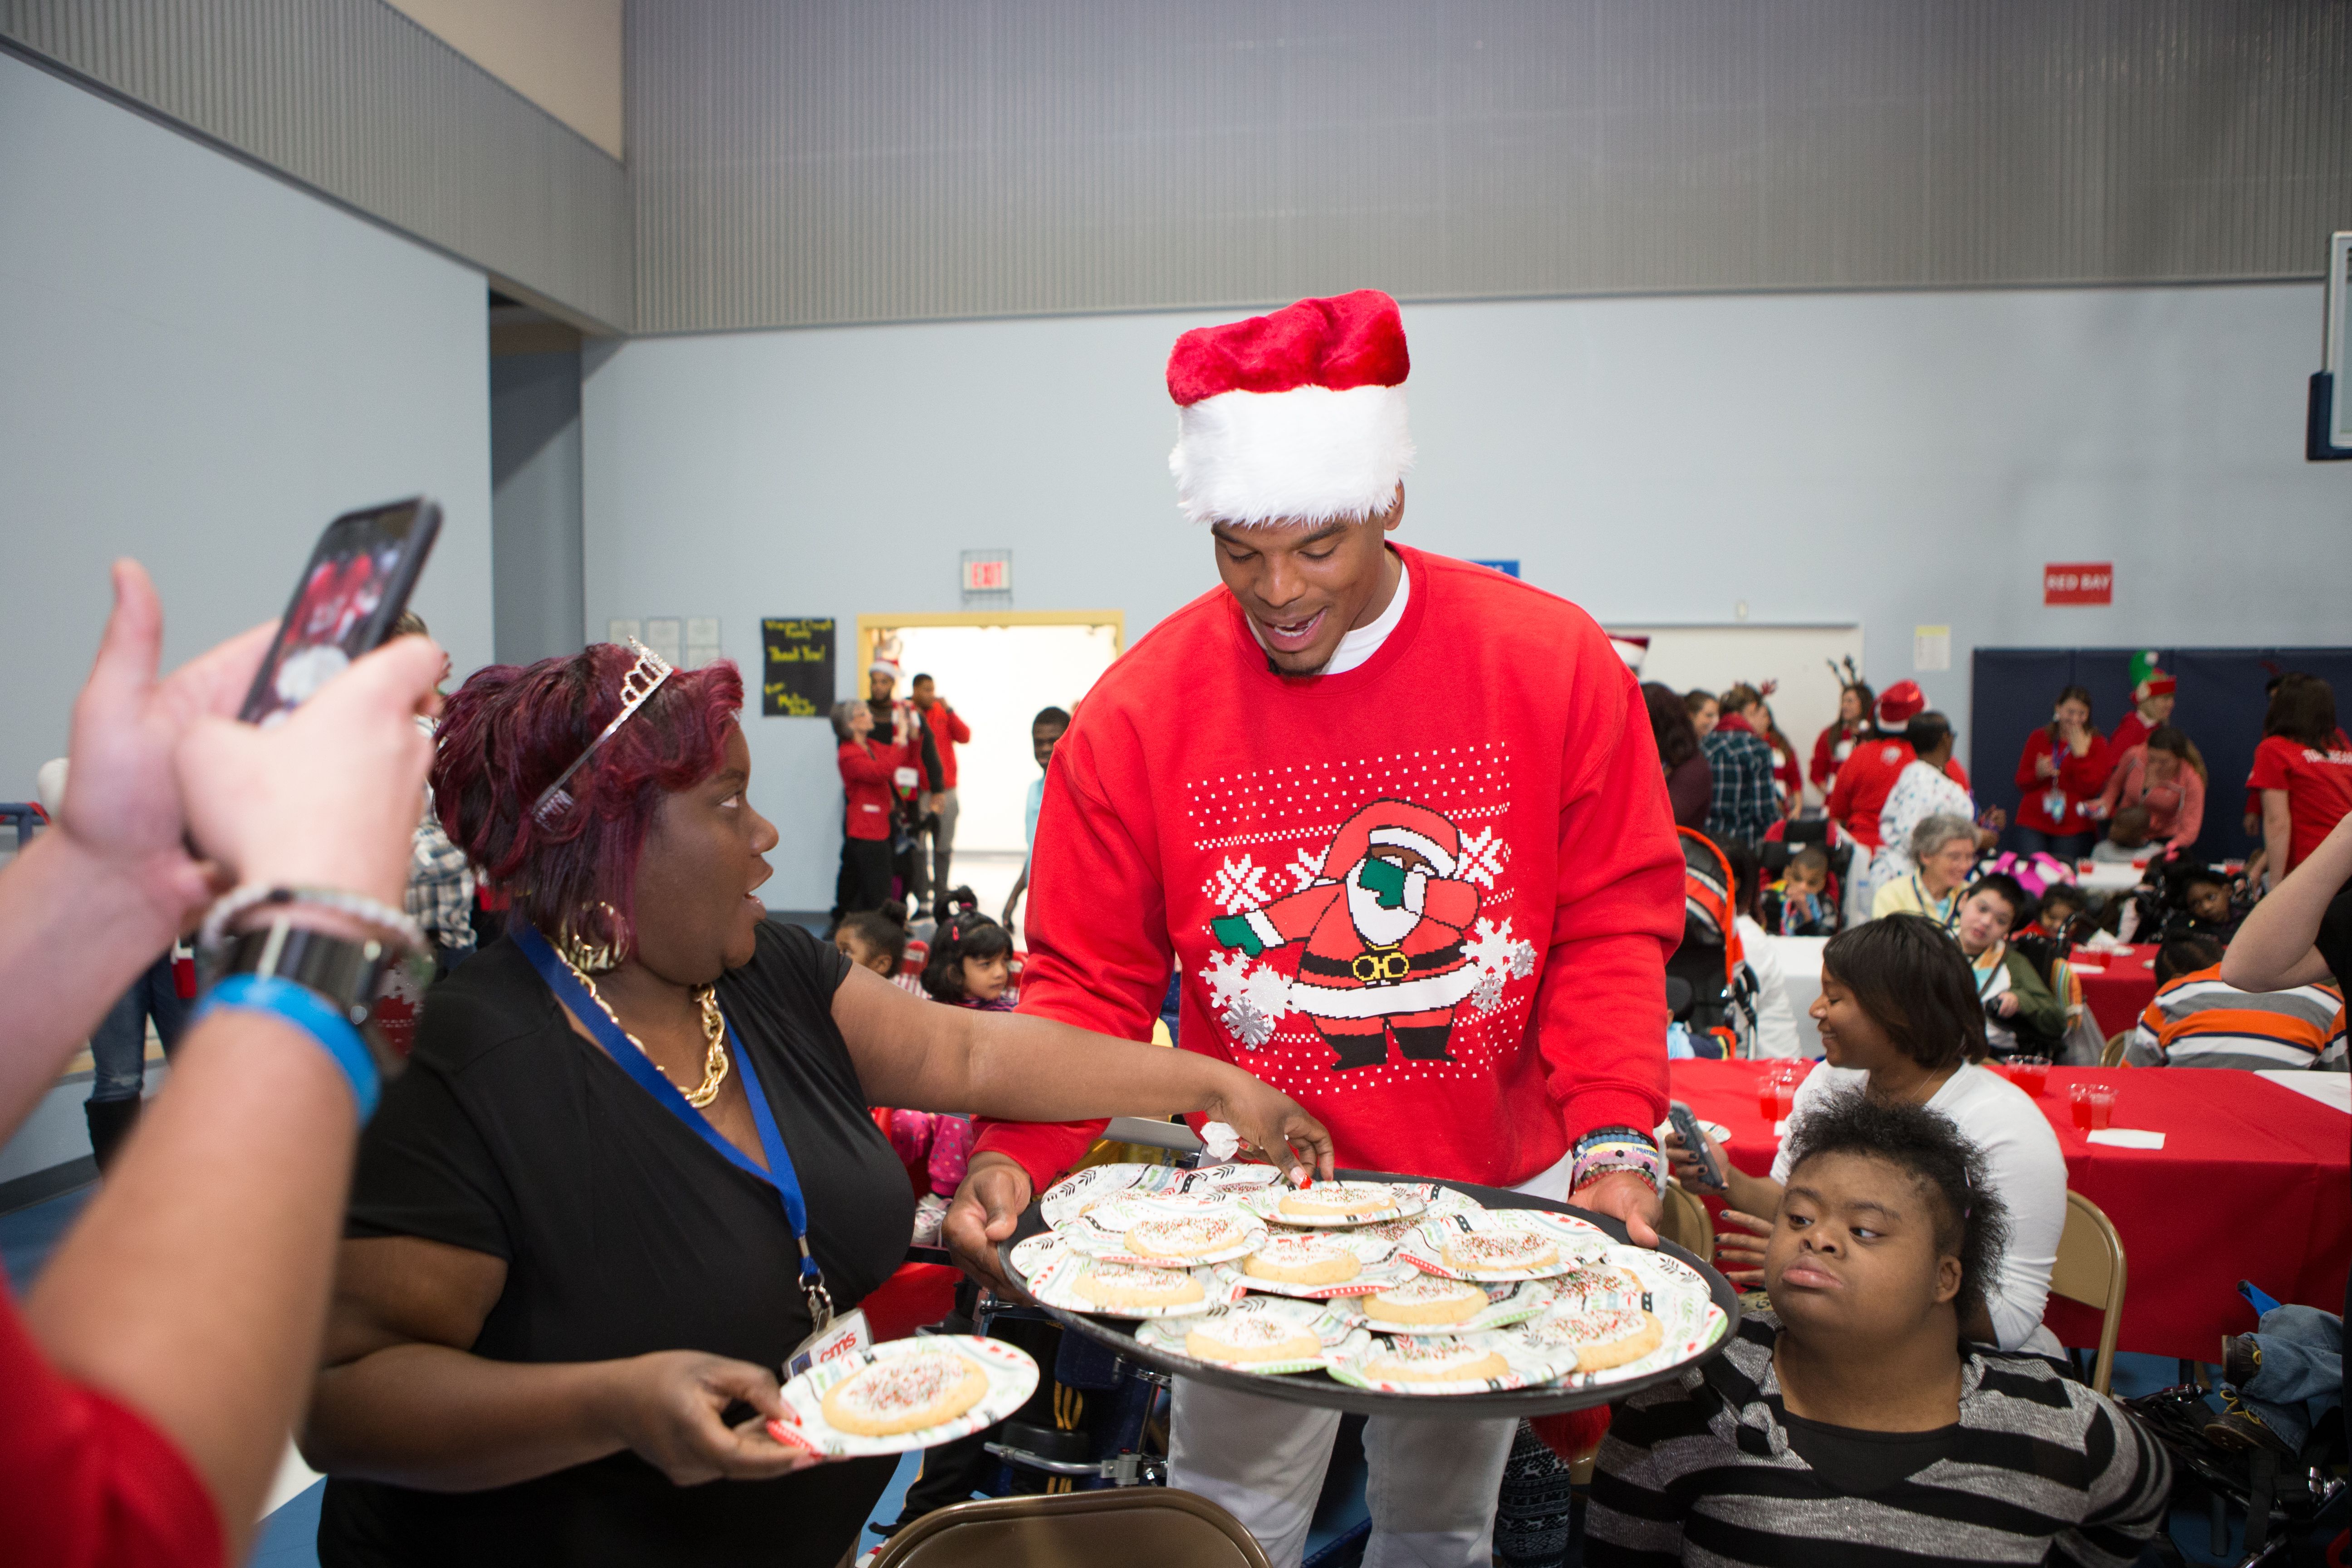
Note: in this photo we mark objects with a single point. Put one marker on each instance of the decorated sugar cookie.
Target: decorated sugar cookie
(905, 1393)
(1184, 1236)
(1434, 1361)
(1303, 1258)
(1426, 1298)
(1251, 1337)
(1486, 1251)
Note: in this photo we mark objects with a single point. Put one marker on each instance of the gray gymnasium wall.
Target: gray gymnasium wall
(1894, 460)
(199, 367)
(355, 101)
(892, 160)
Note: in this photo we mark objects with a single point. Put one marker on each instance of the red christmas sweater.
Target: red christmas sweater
(1431, 898)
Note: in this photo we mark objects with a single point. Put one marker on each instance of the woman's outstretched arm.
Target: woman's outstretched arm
(927, 1056)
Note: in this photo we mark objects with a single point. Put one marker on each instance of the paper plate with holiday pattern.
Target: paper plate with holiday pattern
(1338, 1205)
(1263, 1335)
(1082, 1190)
(1437, 1311)
(1484, 1362)
(846, 1407)
(1146, 1230)
(1673, 1299)
(1498, 1245)
(1057, 1277)
(1322, 1265)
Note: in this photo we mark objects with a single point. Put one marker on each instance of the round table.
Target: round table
(2120, 986)
(2255, 1182)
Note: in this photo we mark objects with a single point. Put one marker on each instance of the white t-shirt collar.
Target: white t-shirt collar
(1361, 642)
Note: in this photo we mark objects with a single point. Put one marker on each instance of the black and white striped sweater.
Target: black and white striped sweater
(2042, 1469)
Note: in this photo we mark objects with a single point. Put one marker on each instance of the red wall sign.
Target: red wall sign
(987, 576)
(2079, 583)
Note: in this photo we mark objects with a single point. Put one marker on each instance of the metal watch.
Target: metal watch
(349, 975)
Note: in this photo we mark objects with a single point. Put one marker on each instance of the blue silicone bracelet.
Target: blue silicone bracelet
(314, 1015)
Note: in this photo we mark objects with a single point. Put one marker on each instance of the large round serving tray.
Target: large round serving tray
(1321, 1389)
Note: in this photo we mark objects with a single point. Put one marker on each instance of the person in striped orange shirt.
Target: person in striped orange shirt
(2197, 1019)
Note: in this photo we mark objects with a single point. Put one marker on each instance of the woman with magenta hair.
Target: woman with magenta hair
(631, 1168)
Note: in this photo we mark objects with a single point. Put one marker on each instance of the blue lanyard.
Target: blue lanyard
(780, 1176)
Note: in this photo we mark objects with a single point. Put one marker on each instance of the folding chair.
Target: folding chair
(2113, 1056)
(2090, 1269)
(1684, 1221)
(1134, 1527)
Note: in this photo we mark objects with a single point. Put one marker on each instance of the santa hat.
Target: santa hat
(1396, 824)
(884, 667)
(1296, 417)
(1631, 649)
(1901, 702)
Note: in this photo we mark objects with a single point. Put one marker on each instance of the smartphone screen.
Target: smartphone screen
(345, 603)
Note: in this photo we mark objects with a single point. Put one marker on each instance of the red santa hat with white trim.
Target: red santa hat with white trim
(1295, 417)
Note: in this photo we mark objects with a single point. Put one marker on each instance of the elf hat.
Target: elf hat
(1398, 824)
(2156, 684)
(1295, 417)
(1901, 702)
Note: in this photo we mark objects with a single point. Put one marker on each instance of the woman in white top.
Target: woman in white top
(1899, 1019)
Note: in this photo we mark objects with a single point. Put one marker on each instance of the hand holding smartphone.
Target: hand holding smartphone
(345, 604)
(1695, 1143)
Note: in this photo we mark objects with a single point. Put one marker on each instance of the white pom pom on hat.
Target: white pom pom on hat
(1298, 417)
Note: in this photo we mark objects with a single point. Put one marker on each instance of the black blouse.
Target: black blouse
(625, 1233)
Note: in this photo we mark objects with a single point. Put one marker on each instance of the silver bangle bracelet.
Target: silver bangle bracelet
(394, 923)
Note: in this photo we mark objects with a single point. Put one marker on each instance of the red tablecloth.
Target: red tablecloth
(2119, 993)
(2255, 1182)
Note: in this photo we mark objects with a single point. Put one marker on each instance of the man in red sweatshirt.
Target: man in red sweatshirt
(1399, 823)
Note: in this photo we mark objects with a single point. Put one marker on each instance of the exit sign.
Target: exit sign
(2079, 583)
(987, 576)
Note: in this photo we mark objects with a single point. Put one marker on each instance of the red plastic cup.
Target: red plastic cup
(2094, 1106)
(2031, 1074)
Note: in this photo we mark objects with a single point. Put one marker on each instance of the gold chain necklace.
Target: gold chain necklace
(714, 1034)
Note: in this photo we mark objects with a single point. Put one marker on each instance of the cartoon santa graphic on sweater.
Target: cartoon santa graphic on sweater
(1381, 933)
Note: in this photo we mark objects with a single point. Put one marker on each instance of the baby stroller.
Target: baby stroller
(1721, 1010)
(1783, 839)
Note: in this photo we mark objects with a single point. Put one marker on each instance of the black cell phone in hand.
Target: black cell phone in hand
(1695, 1142)
(345, 603)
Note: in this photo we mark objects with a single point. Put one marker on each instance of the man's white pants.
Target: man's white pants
(1434, 1480)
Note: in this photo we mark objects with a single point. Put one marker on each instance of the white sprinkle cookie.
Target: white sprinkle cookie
(1426, 1298)
(904, 1394)
(1304, 1257)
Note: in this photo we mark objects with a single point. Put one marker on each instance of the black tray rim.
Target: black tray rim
(1322, 1391)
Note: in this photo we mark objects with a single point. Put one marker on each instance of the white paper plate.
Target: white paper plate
(1670, 1290)
(1329, 1327)
(1505, 1304)
(1076, 1193)
(1524, 1363)
(1102, 1231)
(1012, 1378)
(1382, 1201)
(1576, 1241)
(1377, 1264)
(1050, 1271)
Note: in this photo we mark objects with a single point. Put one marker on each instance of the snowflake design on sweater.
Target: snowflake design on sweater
(1306, 871)
(1237, 884)
(1499, 960)
(1250, 998)
(1483, 854)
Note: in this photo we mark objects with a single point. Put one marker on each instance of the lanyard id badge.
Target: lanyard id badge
(778, 1177)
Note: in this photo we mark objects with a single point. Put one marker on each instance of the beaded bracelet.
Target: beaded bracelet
(397, 923)
(1609, 1150)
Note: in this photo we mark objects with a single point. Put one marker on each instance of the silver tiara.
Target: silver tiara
(645, 679)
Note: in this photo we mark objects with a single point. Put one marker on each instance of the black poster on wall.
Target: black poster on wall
(796, 666)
